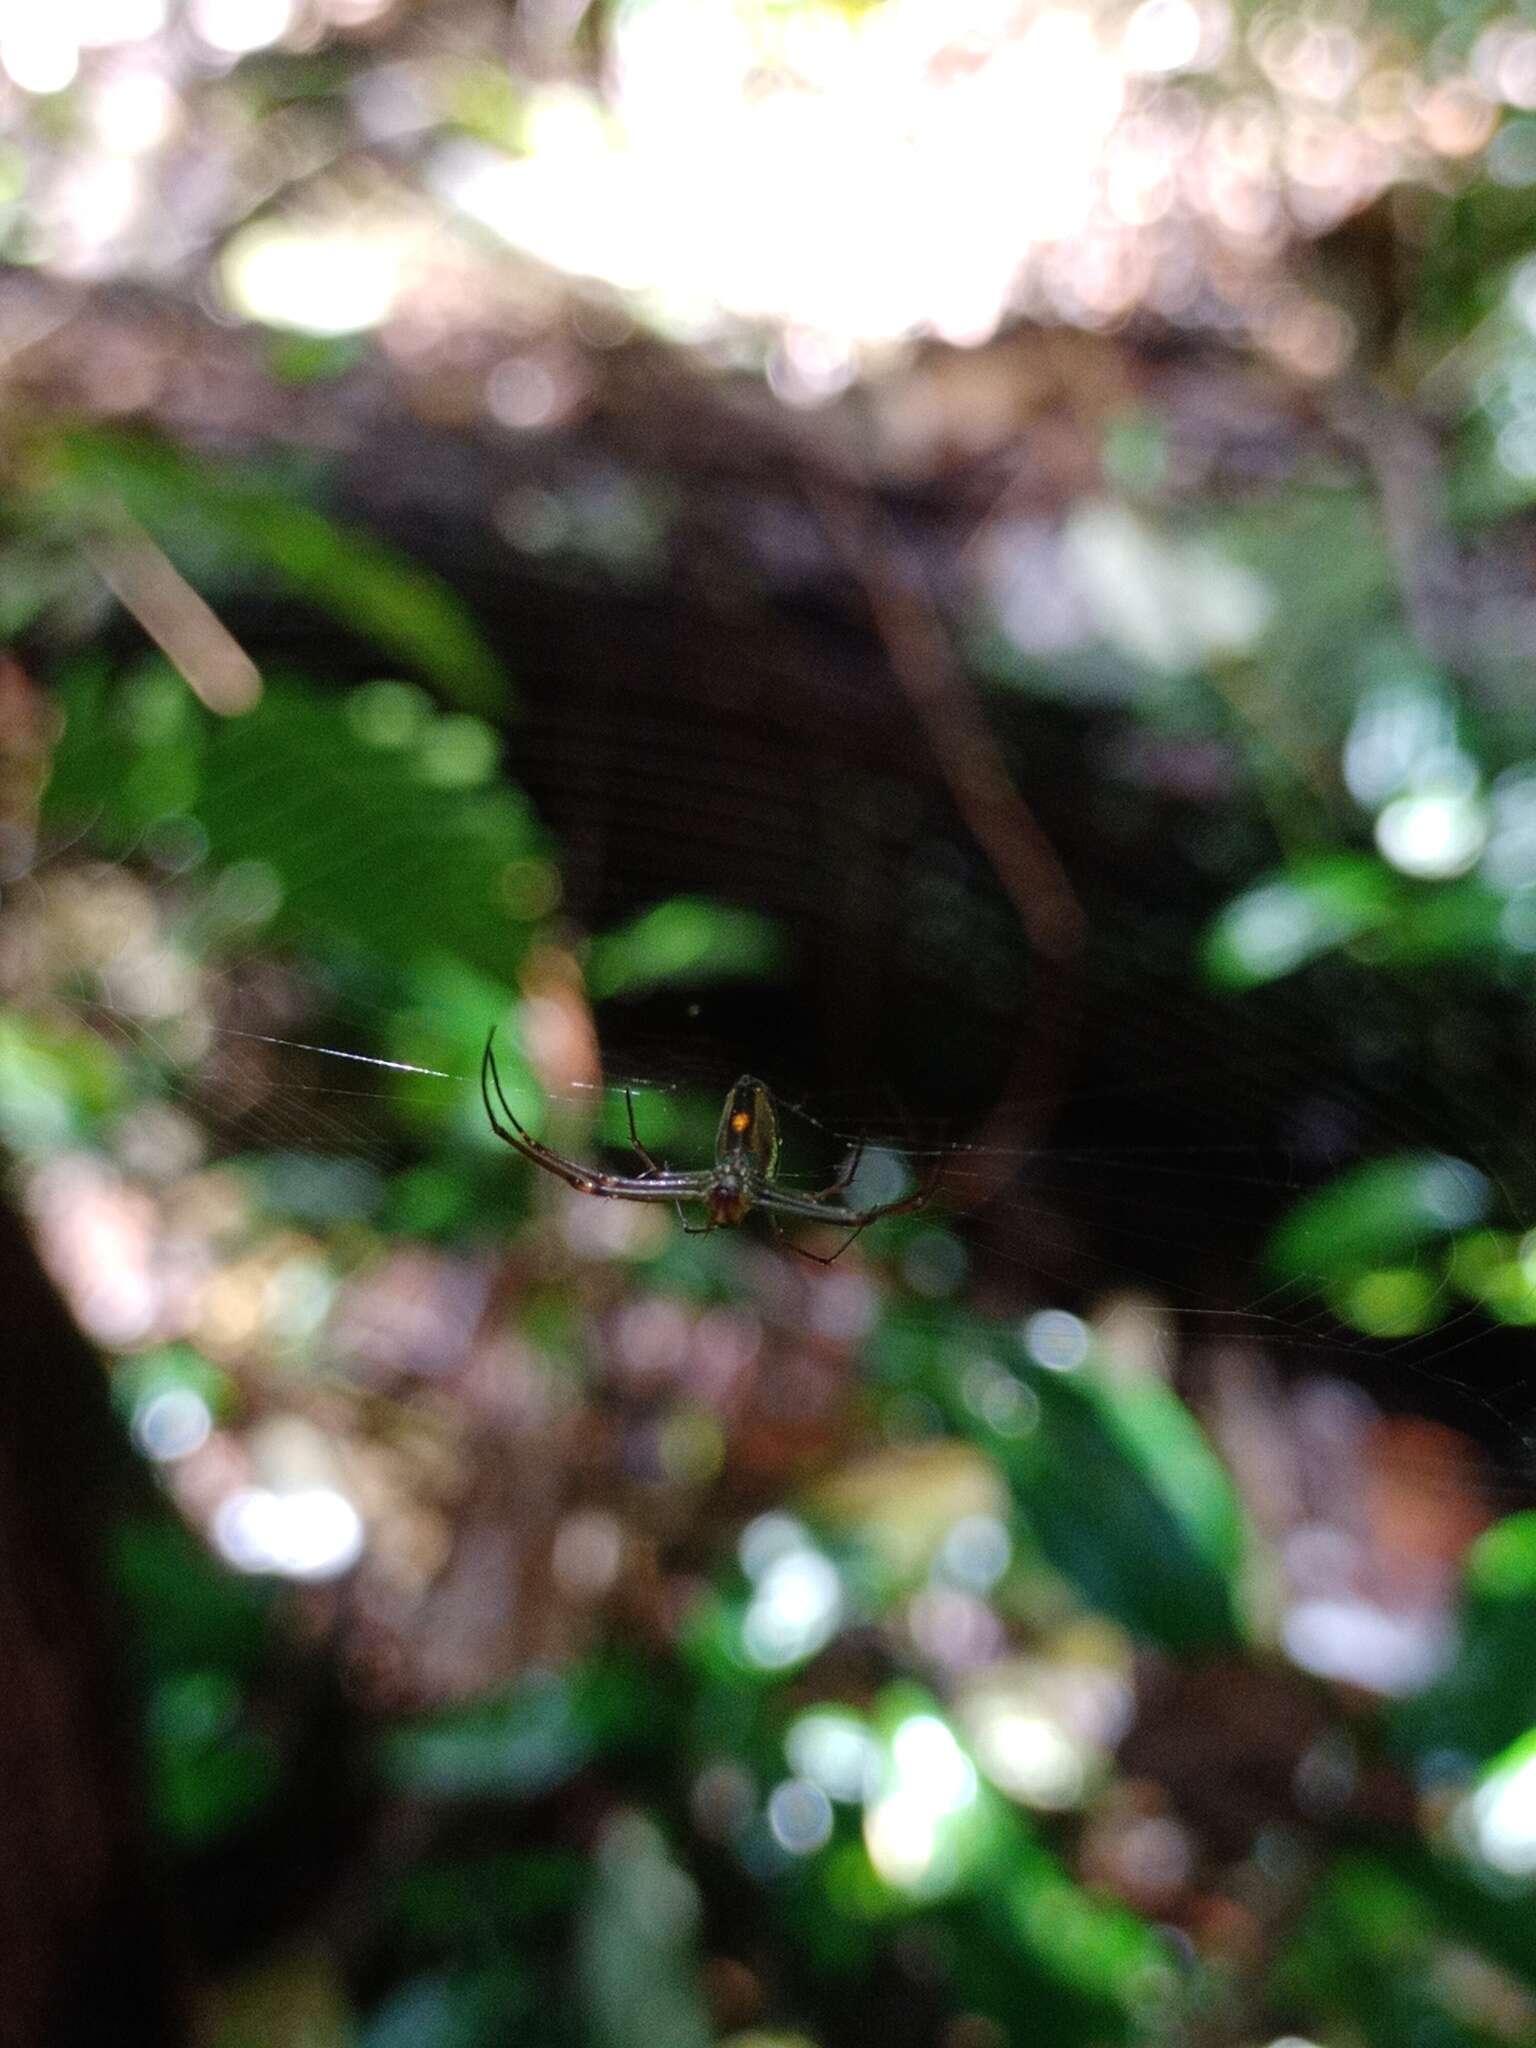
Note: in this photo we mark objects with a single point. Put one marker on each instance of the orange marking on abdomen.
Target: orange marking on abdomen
(742, 1120)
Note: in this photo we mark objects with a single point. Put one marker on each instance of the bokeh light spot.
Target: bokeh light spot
(1162, 35)
(834, 1750)
(236, 27)
(1058, 1339)
(1433, 834)
(172, 1423)
(1501, 1816)
(800, 1816)
(313, 282)
(794, 1611)
(311, 1533)
(38, 52)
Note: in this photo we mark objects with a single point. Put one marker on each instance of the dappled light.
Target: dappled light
(1156, 155)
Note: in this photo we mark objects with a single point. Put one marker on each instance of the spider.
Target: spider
(742, 1177)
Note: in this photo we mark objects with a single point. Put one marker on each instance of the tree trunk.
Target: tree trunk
(85, 1947)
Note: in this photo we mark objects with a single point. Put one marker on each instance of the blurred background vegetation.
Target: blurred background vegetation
(978, 561)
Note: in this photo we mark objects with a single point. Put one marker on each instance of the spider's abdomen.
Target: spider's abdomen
(748, 1138)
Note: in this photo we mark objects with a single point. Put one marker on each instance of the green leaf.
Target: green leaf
(1122, 1491)
(520, 1744)
(451, 1006)
(1461, 920)
(1497, 1269)
(932, 1826)
(1382, 1957)
(1378, 1215)
(1490, 1912)
(314, 358)
(219, 523)
(169, 1368)
(1104, 1501)
(187, 1610)
(637, 1946)
(1174, 1456)
(514, 1747)
(686, 939)
(1390, 1301)
(336, 835)
(486, 1898)
(1094, 1947)
(459, 2008)
(381, 594)
(1297, 915)
(208, 1770)
(53, 1083)
(1086, 1970)
(1486, 1699)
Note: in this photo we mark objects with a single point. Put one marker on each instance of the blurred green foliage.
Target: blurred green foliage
(375, 768)
(232, 529)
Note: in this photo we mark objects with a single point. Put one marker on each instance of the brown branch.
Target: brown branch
(1005, 828)
(1403, 461)
(923, 663)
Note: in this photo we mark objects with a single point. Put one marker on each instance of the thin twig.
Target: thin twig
(1402, 458)
(186, 629)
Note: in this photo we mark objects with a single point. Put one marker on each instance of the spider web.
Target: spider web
(1107, 1129)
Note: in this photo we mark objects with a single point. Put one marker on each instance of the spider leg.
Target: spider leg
(904, 1204)
(522, 1138)
(512, 1132)
(826, 1258)
(845, 1174)
(634, 1135)
(819, 1211)
(587, 1180)
(799, 1250)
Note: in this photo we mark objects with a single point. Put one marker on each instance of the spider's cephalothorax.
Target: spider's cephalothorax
(743, 1176)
